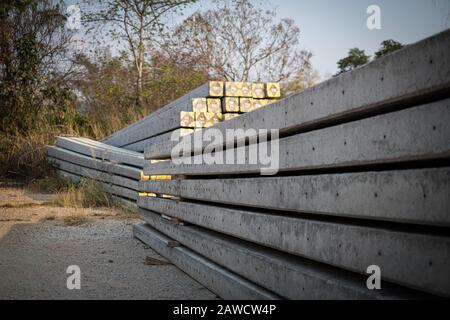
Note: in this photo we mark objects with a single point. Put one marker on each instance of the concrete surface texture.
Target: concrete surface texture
(417, 72)
(384, 195)
(329, 242)
(365, 142)
(98, 150)
(289, 276)
(38, 241)
(161, 121)
(225, 283)
(89, 162)
(97, 175)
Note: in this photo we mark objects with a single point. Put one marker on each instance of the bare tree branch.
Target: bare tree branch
(238, 41)
(134, 22)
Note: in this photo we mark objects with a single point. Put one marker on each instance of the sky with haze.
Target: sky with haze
(330, 27)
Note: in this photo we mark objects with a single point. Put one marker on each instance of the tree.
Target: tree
(388, 46)
(238, 41)
(135, 22)
(36, 101)
(171, 80)
(302, 79)
(33, 63)
(356, 57)
(106, 93)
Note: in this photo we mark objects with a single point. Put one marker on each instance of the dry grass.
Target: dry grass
(79, 203)
(70, 197)
(48, 217)
(87, 194)
(20, 206)
(76, 219)
(24, 155)
(125, 214)
(50, 184)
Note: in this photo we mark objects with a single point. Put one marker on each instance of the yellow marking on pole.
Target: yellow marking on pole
(216, 89)
(273, 90)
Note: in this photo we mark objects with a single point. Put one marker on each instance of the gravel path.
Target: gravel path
(37, 245)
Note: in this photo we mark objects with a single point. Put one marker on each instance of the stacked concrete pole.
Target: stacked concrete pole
(362, 183)
(118, 170)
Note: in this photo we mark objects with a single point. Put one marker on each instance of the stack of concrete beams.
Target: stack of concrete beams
(118, 167)
(161, 122)
(118, 170)
(203, 107)
(363, 186)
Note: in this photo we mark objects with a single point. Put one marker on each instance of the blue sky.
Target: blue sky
(330, 27)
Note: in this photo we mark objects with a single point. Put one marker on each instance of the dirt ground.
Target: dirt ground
(39, 240)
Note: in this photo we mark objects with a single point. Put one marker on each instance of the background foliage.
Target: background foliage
(131, 62)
